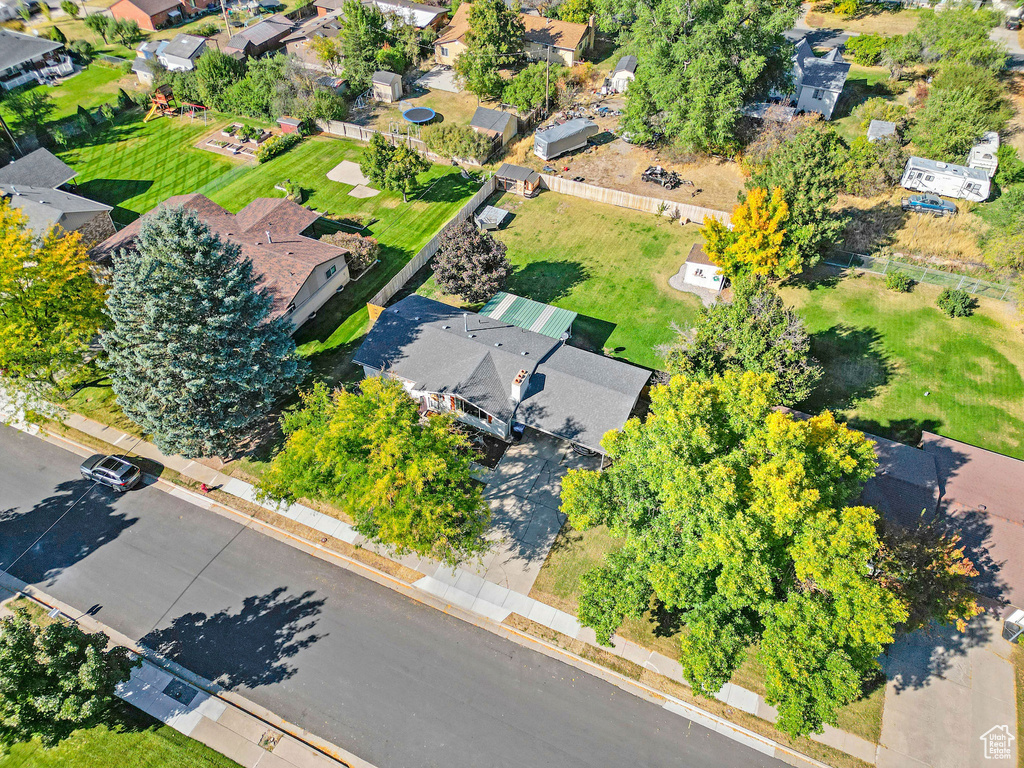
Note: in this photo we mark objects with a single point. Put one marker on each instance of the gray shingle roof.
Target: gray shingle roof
(385, 78)
(572, 393)
(16, 48)
(40, 168)
(491, 119)
(44, 206)
(184, 46)
(879, 129)
(261, 32)
(625, 64)
(518, 173)
(829, 75)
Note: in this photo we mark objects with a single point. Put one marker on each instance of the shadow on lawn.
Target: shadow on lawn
(115, 191)
(245, 648)
(547, 281)
(450, 188)
(855, 366)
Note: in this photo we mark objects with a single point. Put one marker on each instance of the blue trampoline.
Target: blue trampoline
(419, 115)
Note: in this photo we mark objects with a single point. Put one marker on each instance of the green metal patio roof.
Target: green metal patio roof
(531, 315)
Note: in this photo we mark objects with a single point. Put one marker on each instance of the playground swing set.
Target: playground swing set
(163, 104)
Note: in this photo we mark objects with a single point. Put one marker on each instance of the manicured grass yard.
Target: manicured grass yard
(133, 738)
(134, 165)
(611, 265)
(93, 86)
(896, 365)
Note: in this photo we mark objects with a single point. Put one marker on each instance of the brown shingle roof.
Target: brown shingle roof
(152, 7)
(697, 256)
(285, 260)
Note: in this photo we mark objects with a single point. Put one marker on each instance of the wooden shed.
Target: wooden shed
(517, 179)
(386, 86)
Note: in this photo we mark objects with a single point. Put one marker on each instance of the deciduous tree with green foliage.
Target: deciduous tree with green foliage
(51, 304)
(698, 63)
(526, 90)
(327, 51)
(405, 481)
(470, 263)
(754, 243)
(97, 24)
(756, 332)
(54, 680)
(873, 167)
(195, 358)
(215, 73)
(809, 170)
(494, 39)
(576, 11)
(457, 141)
(959, 33)
(70, 7)
(392, 167)
(741, 520)
(31, 108)
(363, 33)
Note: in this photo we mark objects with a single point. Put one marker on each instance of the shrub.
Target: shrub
(956, 303)
(123, 99)
(867, 50)
(880, 109)
(207, 30)
(107, 110)
(900, 282)
(1011, 168)
(82, 50)
(362, 251)
(452, 140)
(276, 145)
(873, 167)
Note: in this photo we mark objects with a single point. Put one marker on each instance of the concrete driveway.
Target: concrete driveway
(439, 79)
(524, 492)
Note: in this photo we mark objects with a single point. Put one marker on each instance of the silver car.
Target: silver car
(112, 471)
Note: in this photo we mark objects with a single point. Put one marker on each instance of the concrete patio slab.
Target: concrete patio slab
(347, 172)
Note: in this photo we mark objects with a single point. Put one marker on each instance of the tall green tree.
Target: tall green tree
(31, 108)
(494, 39)
(405, 481)
(470, 263)
(740, 519)
(809, 169)
(363, 33)
(756, 332)
(97, 24)
(528, 88)
(576, 11)
(392, 167)
(699, 62)
(958, 33)
(215, 73)
(54, 680)
(194, 357)
(51, 304)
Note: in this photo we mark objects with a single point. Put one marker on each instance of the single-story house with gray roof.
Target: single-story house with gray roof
(40, 168)
(27, 58)
(491, 374)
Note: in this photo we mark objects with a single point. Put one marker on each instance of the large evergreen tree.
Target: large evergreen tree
(193, 355)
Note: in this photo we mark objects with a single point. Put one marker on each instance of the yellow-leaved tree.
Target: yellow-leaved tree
(753, 246)
(51, 305)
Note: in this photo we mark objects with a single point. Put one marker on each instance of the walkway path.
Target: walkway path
(480, 591)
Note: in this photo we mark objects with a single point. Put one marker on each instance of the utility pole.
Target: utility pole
(547, 82)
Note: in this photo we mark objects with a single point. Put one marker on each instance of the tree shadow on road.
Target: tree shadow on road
(245, 648)
(83, 519)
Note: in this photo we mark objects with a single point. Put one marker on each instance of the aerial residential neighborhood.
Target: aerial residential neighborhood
(489, 383)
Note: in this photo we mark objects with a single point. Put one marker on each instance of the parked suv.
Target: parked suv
(112, 471)
(1013, 22)
(932, 204)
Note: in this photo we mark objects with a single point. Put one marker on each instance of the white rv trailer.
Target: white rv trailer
(983, 154)
(947, 179)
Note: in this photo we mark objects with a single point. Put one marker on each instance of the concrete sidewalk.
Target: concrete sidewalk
(478, 589)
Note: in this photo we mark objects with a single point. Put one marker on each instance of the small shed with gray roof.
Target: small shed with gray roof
(491, 374)
(491, 217)
(515, 178)
(386, 86)
(623, 74)
(500, 126)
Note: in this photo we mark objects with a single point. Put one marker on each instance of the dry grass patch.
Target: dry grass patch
(874, 19)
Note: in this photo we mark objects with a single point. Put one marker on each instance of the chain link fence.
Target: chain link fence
(922, 274)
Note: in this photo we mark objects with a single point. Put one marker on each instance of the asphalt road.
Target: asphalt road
(389, 679)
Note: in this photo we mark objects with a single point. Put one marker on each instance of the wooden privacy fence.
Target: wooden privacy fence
(344, 130)
(682, 211)
(427, 251)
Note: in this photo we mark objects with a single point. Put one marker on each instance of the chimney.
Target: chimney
(269, 238)
(519, 385)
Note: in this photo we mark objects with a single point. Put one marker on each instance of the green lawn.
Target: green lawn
(93, 86)
(896, 365)
(133, 165)
(132, 738)
(611, 265)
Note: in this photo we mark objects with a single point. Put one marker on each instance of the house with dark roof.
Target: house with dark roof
(32, 185)
(177, 55)
(499, 126)
(565, 41)
(262, 37)
(154, 14)
(300, 272)
(818, 82)
(27, 58)
(492, 374)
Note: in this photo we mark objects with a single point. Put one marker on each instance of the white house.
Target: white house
(948, 179)
(623, 74)
(177, 55)
(700, 271)
(983, 154)
(817, 82)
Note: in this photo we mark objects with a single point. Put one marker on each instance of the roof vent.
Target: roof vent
(524, 354)
(472, 335)
(497, 343)
(417, 317)
(941, 165)
(446, 327)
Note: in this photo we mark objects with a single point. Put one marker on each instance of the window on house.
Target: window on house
(444, 51)
(331, 270)
(929, 177)
(819, 94)
(471, 410)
